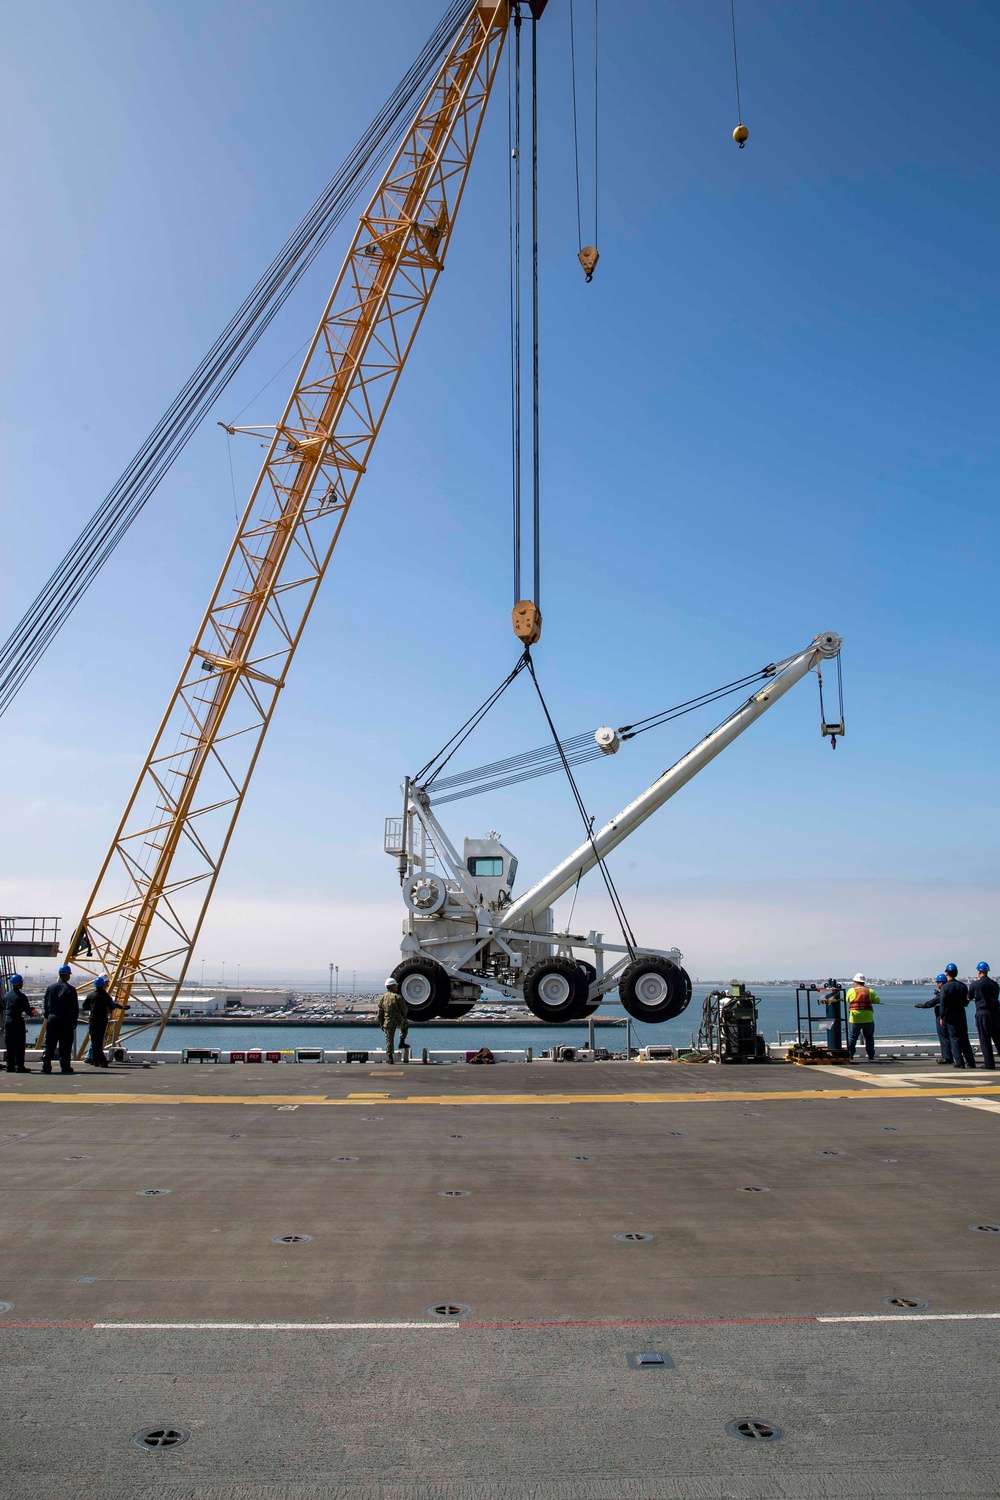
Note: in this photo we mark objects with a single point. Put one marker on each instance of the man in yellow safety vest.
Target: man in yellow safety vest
(860, 999)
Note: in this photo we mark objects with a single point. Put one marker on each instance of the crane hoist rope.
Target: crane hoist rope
(587, 255)
(741, 134)
(526, 616)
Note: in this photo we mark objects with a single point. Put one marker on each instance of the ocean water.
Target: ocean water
(895, 1017)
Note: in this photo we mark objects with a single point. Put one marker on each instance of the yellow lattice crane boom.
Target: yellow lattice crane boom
(146, 910)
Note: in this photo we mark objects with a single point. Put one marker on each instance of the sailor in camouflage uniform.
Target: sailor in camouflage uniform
(393, 1017)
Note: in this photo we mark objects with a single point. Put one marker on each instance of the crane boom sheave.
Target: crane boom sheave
(148, 904)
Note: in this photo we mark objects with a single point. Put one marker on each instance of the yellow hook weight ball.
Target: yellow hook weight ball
(741, 135)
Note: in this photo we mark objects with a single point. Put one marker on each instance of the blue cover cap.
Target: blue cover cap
(940, 978)
(64, 970)
(982, 968)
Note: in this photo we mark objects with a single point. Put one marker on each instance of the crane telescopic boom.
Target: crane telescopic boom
(144, 915)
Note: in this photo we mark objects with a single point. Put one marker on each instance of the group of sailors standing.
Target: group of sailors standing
(950, 1002)
(61, 1008)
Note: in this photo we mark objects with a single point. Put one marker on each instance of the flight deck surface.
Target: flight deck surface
(786, 1207)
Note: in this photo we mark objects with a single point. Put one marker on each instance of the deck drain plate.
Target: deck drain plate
(911, 1304)
(753, 1190)
(986, 1228)
(753, 1431)
(152, 1192)
(831, 1152)
(155, 1439)
(76, 1158)
(583, 1158)
(448, 1310)
(675, 1132)
(345, 1158)
(650, 1361)
(85, 1280)
(632, 1236)
(456, 1193)
(292, 1239)
(891, 1129)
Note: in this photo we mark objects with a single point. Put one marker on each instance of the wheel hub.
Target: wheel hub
(652, 989)
(555, 990)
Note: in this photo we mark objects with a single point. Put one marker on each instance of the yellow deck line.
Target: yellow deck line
(166, 1100)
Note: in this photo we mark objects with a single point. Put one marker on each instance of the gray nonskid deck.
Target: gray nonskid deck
(497, 1413)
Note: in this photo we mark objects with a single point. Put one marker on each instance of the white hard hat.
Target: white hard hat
(858, 979)
(390, 980)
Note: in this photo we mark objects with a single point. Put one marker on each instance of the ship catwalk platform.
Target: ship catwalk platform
(374, 1284)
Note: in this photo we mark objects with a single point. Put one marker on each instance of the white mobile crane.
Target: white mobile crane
(464, 929)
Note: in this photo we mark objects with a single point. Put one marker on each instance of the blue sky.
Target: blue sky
(773, 412)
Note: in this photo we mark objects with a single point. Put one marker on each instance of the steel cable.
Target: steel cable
(125, 500)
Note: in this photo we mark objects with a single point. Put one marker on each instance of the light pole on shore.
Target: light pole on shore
(331, 981)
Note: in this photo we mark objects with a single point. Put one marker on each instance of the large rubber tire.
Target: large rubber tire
(425, 987)
(556, 990)
(588, 969)
(654, 989)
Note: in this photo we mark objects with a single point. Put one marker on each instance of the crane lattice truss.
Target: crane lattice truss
(145, 913)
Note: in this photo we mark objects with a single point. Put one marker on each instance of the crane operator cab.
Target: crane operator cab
(492, 868)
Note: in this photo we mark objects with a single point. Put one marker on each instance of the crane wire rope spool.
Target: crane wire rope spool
(135, 486)
(587, 255)
(741, 134)
(149, 901)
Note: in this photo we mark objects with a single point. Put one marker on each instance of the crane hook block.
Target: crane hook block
(526, 618)
(741, 135)
(588, 258)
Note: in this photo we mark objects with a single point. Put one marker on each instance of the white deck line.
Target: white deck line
(269, 1327)
(988, 1104)
(911, 1317)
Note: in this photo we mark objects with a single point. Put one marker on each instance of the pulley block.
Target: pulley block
(588, 258)
(526, 618)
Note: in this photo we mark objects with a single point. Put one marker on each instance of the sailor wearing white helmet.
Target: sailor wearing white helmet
(860, 999)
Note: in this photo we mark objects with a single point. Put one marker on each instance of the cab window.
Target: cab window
(485, 865)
